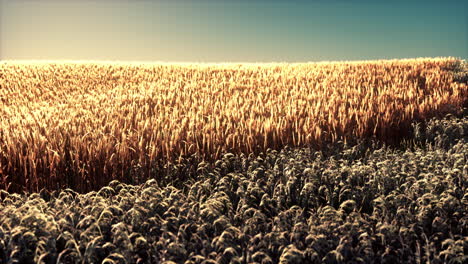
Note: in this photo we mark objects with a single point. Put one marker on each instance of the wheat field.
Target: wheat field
(93, 122)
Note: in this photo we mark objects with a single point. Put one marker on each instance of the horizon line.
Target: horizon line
(60, 61)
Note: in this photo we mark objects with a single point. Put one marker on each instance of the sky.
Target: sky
(232, 31)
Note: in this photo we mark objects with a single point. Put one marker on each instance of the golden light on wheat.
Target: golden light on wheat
(91, 122)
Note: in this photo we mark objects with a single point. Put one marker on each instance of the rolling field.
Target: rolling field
(340, 162)
(81, 125)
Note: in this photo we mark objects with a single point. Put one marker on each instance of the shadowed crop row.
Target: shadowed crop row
(355, 204)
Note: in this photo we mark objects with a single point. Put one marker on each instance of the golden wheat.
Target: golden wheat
(91, 122)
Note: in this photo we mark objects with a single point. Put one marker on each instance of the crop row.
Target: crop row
(358, 204)
(84, 124)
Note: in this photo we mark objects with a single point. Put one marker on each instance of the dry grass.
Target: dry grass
(88, 123)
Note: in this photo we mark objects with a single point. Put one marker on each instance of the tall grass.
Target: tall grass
(84, 124)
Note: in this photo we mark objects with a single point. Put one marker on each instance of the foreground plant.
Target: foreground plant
(356, 204)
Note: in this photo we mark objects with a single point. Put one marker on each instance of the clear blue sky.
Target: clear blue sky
(231, 31)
